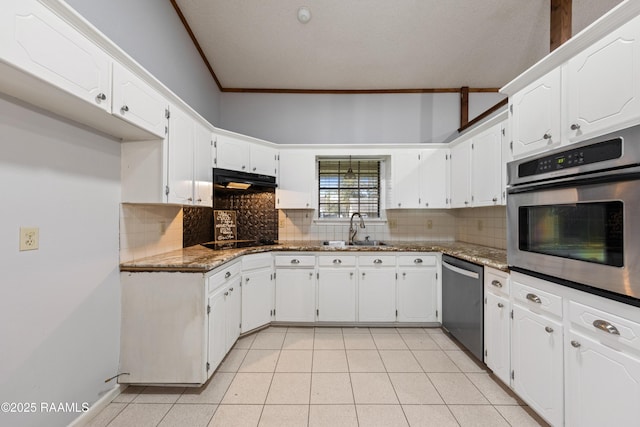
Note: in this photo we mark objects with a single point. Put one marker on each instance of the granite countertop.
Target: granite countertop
(201, 259)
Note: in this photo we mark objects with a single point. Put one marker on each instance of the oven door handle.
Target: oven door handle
(459, 270)
(628, 174)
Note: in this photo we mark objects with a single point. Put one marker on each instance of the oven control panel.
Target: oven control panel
(595, 153)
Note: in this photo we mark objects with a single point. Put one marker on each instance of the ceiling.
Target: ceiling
(374, 44)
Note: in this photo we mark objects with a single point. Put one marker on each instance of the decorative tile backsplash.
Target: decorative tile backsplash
(256, 215)
(197, 225)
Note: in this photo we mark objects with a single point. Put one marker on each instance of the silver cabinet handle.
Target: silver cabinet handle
(101, 97)
(603, 325)
(534, 298)
(227, 274)
(575, 343)
(496, 283)
(377, 261)
(500, 305)
(417, 261)
(337, 261)
(546, 136)
(575, 126)
(548, 329)
(295, 261)
(124, 108)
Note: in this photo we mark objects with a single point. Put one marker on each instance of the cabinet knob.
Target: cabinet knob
(226, 294)
(426, 204)
(495, 199)
(546, 136)
(363, 275)
(575, 126)
(199, 200)
(575, 343)
(246, 280)
(311, 274)
(605, 326)
(295, 261)
(549, 329)
(243, 167)
(417, 261)
(534, 298)
(500, 305)
(496, 283)
(190, 199)
(399, 204)
(377, 261)
(254, 169)
(337, 261)
(227, 275)
(124, 109)
(466, 203)
(101, 97)
(230, 289)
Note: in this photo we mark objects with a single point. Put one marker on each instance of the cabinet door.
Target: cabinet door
(405, 179)
(37, 41)
(232, 153)
(295, 295)
(137, 102)
(297, 184)
(461, 175)
(233, 313)
(202, 167)
(536, 358)
(434, 182)
(263, 159)
(535, 115)
(603, 384)
(217, 334)
(181, 138)
(603, 91)
(417, 295)
(486, 167)
(497, 333)
(377, 295)
(257, 299)
(507, 156)
(337, 295)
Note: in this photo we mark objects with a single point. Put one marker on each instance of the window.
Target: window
(340, 195)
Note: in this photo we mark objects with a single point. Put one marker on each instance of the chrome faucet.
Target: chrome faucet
(353, 231)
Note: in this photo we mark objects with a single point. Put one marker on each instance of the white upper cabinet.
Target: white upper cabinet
(535, 115)
(202, 167)
(297, 183)
(487, 167)
(461, 175)
(434, 185)
(231, 153)
(137, 102)
(238, 155)
(181, 137)
(602, 85)
(38, 42)
(405, 179)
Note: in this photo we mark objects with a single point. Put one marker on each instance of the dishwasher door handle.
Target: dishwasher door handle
(459, 270)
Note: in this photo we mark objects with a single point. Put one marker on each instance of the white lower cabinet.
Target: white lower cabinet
(417, 288)
(497, 323)
(537, 364)
(217, 341)
(295, 288)
(377, 295)
(257, 291)
(336, 288)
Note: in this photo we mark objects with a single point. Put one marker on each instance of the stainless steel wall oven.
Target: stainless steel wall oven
(574, 215)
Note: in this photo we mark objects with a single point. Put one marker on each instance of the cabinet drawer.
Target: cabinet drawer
(295, 261)
(337, 260)
(496, 281)
(417, 260)
(223, 276)
(255, 261)
(602, 325)
(377, 260)
(539, 301)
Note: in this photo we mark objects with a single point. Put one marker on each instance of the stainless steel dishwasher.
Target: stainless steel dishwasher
(462, 307)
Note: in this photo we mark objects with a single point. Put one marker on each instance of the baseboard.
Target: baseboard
(98, 406)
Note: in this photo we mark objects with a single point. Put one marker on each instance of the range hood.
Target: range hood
(234, 180)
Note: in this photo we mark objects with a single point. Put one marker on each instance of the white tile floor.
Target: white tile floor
(332, 377)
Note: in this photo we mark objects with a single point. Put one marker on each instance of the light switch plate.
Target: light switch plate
(29, 238)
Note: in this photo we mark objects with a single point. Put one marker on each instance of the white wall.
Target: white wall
(152, 33)
(60, 305)
(347, 118)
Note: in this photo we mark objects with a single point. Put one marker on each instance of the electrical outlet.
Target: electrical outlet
(429, 224)
(480, 225)
(393, 224)
(29, 238)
